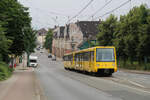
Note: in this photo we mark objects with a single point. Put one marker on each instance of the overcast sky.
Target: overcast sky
(47, 13)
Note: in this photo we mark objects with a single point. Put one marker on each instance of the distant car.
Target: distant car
(38, 49)
(41, 51)
(53, 58)
(49, 56)
(41, 47)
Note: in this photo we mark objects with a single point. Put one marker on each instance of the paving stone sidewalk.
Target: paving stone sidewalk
(23, 85)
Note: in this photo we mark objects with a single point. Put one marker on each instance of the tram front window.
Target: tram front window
(105, 55)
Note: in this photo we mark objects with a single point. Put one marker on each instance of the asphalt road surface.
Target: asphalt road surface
(60, 84)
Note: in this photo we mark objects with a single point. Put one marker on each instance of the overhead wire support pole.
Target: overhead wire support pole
(80, 11)
(114, 9)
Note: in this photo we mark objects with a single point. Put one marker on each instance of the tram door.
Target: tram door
(91, 62)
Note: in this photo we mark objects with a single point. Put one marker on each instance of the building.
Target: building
(58, 41)
(74, 36)
(41, 34)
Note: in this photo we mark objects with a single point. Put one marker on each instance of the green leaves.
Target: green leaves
(15, 17)
(48, 40)
(29, 39)
(4, 43)
(130, 35)
(107, 30)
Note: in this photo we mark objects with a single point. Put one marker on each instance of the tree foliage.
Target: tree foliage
(107, 30)
(29, 41)
(130, 35)
(4, 44)
(48, 40)
(15, 17)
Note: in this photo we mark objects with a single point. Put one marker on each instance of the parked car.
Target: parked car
(33, 61)
(50, 56)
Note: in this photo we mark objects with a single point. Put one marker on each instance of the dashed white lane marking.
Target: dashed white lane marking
(137, 84)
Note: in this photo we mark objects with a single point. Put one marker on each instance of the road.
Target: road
(60, 84)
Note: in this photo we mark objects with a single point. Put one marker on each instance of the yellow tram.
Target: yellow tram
(99, 60)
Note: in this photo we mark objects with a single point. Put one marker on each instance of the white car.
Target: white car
(33, 61)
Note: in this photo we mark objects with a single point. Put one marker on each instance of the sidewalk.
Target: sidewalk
(23, 85)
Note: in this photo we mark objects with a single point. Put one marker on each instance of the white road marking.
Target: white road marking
(137, 89)
(137, 84)
(134, 87)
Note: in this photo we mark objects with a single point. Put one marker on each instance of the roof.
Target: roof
(42, 31)
(33, 57)
(89, 28)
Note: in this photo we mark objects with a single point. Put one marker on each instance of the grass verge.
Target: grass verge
(5, 71)
(134, 66)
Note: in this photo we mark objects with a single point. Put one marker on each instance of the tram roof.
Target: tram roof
(89, 49)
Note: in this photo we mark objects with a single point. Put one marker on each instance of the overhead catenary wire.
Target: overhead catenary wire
(80, 11)
(114, 9)
(100, 9)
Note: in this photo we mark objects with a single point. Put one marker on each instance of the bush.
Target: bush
(5, 71)
(134, 66)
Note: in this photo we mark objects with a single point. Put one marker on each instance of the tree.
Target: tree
(16, 18)
(143, 46)
(4, 45)
(29, 41)
(106, 31)
(118, 41)
(48, 40)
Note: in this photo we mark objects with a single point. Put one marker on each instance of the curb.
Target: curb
(135, 71)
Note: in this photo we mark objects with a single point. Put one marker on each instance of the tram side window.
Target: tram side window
(92, 55)
(86, 56)
(64, 58)
(69, 58)
(76, 57)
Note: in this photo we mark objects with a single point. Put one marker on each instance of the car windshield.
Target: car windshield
(34, 61)
(105, 55)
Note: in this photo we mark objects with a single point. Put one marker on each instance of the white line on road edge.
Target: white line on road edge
(136, 89)
(133, 87)
(137, 84)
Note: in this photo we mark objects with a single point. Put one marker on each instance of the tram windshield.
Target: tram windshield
(105, 55)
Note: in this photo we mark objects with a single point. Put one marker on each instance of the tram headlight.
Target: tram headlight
(97, 65)
(113, 65)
